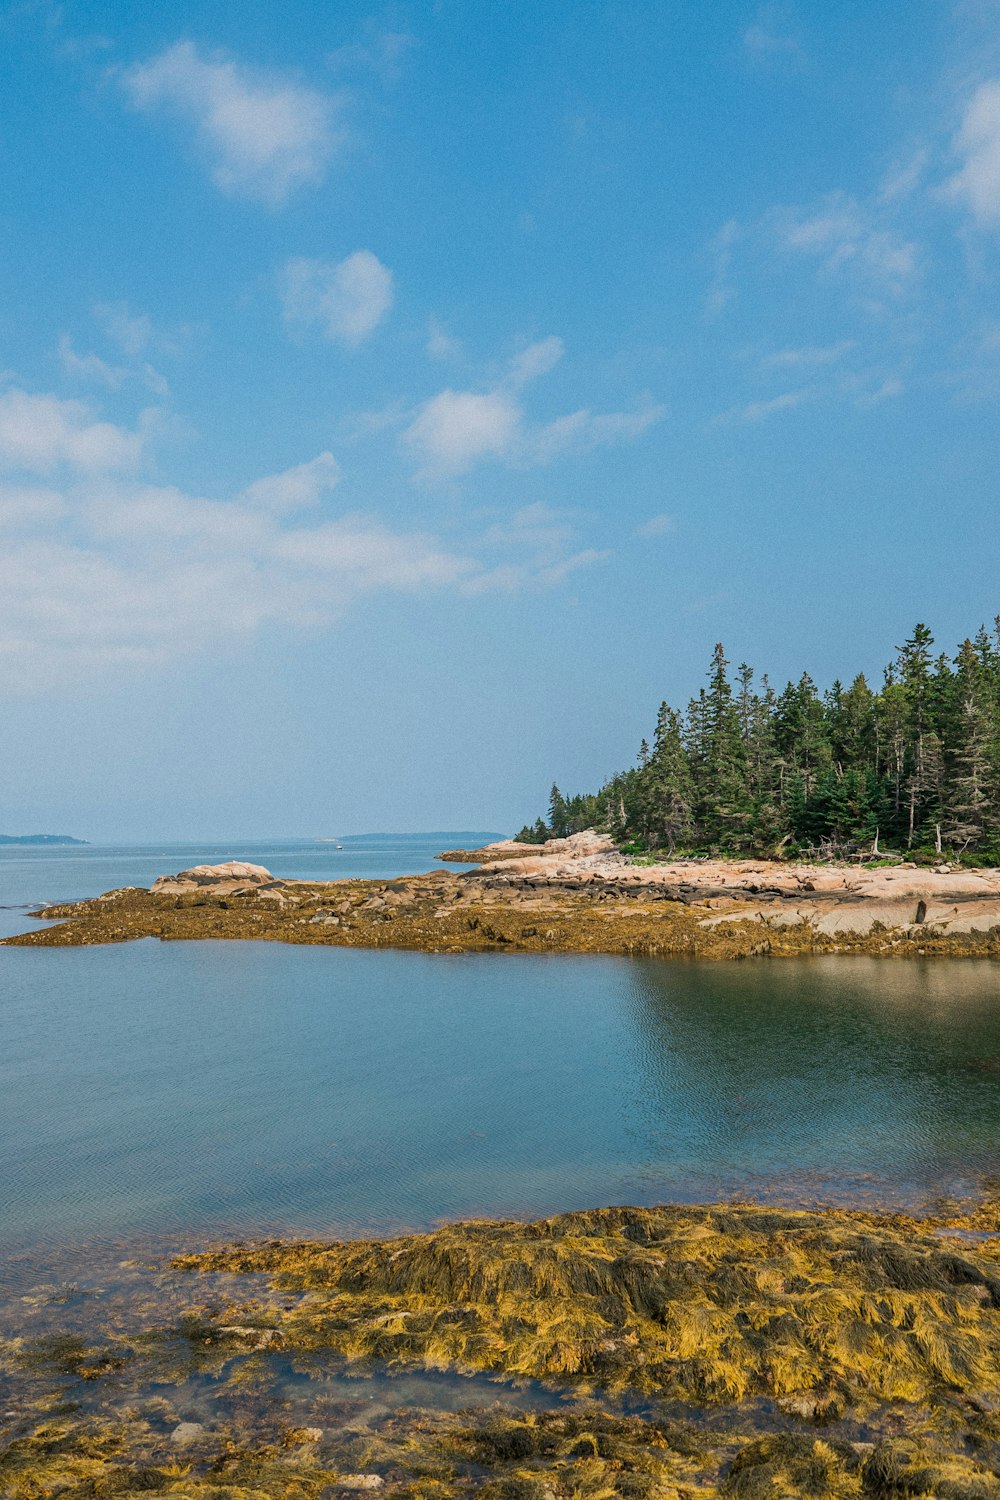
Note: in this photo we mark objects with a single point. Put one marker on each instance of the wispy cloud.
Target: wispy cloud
(904, 176)
(344, 301)
(759, 411)
(131, 332)
(808, 355)
(456, 430)
(536, 547)
(844, 236)
(440, 343)
(91, 369)
(379, 51)
(772, 35)
(977, 182)
(89, 366)
(887, 390)
(661, 525)
(263, 135)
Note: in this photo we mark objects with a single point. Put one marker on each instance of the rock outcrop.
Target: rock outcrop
(235, 875)
(829, 899)
(577, 846)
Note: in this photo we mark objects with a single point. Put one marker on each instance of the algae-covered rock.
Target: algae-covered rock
(695, 1304)
(731, 1351)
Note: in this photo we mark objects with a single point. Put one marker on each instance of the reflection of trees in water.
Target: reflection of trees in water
(846, 1066)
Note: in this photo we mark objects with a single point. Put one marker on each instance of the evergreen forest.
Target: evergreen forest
(911, 768)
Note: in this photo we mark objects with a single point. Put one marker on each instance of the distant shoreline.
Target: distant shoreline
(49, 839)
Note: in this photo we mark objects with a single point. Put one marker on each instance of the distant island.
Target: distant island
(909, 769)
(38, 838)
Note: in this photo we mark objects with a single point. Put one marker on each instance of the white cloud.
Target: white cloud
(23, 507)
(264, 136)
(105, 572)
(510, 578)
(41, 433)
(841, 238)
(977, 183)
(296, 488)
(455, 430)
(118, 573)
(721, 250)
(345, 301)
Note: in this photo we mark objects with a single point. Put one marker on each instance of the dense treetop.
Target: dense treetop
(746, 769)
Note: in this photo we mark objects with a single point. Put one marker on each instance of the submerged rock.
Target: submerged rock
(187, 1432)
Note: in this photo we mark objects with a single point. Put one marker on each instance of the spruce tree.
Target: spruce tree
(667, 784)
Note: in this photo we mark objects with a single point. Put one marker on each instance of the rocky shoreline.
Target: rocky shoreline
(576, 895)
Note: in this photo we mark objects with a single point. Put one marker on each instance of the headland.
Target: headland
(574, 895)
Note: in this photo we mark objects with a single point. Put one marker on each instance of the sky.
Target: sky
(397, 404)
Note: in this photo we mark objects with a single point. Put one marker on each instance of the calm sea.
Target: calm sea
(190, 1090)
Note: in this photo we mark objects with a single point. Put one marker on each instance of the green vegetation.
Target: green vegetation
(914, 766)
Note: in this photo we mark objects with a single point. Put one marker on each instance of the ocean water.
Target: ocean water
(185, 1091)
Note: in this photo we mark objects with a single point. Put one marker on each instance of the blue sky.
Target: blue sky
(396, 404)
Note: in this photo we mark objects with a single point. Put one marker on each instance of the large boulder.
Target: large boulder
(235, 874)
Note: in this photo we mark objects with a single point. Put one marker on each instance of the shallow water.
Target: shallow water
(186, 1091)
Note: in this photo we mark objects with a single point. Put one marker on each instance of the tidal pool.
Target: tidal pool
(193, 1090)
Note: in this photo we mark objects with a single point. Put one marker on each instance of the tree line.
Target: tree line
(745, 769)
